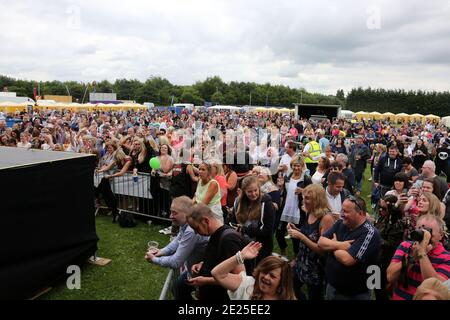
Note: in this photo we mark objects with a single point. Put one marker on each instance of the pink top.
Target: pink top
(223, 189)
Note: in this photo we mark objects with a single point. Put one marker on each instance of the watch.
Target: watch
(421, 256)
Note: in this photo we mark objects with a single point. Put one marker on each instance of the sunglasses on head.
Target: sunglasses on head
(356, 201)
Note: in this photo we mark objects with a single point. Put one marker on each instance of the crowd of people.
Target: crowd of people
(233, 183)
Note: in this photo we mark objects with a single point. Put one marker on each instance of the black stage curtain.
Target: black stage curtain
(47, 223)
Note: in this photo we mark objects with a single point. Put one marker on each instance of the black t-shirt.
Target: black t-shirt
(215, 253)
(299, 128)
(365, 248)
(181, 184)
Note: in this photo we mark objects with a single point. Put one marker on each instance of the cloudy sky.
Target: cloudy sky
(318, 45)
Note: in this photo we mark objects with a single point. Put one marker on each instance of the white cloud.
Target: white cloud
(318, 45)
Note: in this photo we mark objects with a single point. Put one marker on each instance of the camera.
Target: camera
(417, 235)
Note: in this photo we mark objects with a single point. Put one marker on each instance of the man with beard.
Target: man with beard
(353, 244)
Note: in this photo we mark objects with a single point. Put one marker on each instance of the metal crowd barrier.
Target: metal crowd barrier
(134, 195)
(167, 290)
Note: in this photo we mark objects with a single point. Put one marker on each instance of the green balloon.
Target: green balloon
(154, 163)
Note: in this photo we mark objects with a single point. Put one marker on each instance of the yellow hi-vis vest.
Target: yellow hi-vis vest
(314, 151)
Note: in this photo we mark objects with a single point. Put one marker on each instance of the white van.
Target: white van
(446, 121)
(149, 105)
(346, 114)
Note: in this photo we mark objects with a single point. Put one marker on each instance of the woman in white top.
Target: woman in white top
(322, 167)
(292, 202)
(272, 277)
(24, 141)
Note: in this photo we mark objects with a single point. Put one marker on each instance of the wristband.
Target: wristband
(239, 258)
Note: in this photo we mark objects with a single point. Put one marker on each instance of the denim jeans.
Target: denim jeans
(358, 186)
(333, 294)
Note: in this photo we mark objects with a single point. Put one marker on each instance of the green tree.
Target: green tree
(190, 95)
(217, 98)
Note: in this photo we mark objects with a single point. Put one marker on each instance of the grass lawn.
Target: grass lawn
(129, 276)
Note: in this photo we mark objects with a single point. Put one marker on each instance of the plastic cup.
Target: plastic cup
(152, 246)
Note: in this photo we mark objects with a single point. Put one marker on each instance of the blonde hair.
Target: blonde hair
(434, 287)
(381, 146)
(143, 152)
(434, 204)
(319, 200)
(119, 156)
(163, 140)
(124, 139)
(152, 144)
(298, 159)
(219, 169)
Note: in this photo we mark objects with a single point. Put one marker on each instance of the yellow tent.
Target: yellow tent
(375, 115)
(402, 117)
(260, 109)
(87, 106)
(73, 106)
(389, 115)
(8, 106)
(417, 116)
(432, 117)
(361, 115)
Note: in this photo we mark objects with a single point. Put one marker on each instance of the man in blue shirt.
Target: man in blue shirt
(185, 250)
(323, 142)
(353, 244)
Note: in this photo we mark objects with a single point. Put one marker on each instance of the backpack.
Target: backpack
(126, 220)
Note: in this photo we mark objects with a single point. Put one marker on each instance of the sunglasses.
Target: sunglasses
(356, 201)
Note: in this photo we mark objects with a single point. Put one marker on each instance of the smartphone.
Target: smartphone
(418, 184)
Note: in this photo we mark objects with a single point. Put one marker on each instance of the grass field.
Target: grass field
(129, 276)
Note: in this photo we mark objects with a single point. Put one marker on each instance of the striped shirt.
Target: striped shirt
(439, 258)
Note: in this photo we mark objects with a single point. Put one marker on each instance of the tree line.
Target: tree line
(162, 93)
(215, 91)
(397, 101)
